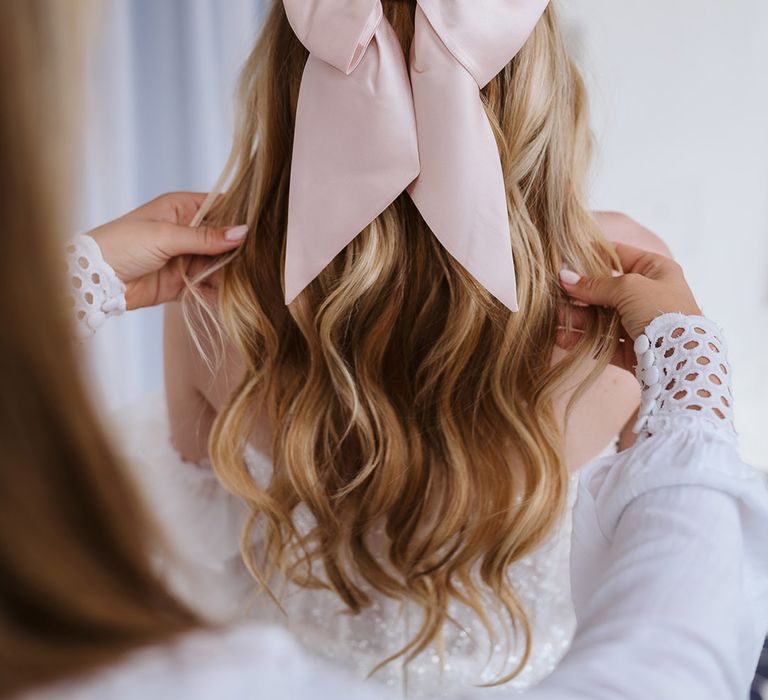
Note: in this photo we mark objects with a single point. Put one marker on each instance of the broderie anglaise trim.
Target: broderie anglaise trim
(96, 291)
(682, 362)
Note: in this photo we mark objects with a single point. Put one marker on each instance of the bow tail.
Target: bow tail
(460, 191)
(354, 152)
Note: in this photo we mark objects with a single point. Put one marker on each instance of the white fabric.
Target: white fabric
(669, 571)
(670, 586)
(249, 663)
(95, 290)
(204, 524)
(686, 360)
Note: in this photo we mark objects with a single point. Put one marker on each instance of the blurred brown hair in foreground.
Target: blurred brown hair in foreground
(77, 590)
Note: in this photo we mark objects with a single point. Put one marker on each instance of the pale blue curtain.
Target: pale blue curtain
(160, 116)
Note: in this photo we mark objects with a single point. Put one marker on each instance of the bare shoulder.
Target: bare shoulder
(620, 228)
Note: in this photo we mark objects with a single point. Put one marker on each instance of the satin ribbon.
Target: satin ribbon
(367, 130)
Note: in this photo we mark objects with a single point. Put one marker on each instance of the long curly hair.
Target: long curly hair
(403, 395)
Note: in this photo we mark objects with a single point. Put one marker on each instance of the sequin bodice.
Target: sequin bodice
(203, 523)
(361, 642)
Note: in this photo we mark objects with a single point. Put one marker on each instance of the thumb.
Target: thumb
(597, 291)
(201, 240)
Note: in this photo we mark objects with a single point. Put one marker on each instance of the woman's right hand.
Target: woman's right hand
(151, 248)
(652, 285)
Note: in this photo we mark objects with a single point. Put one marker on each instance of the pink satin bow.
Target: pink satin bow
(365, 132)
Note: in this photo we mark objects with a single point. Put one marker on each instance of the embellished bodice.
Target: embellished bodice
(469, 657)
(203, 523)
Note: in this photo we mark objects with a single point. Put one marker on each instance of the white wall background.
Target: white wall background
(680, 99)
(680, 104)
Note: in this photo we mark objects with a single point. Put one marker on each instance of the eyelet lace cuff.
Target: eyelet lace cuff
(96, 291)
(682, 364)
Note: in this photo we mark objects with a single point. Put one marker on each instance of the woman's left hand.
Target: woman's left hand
(650, 286)
(151, 248)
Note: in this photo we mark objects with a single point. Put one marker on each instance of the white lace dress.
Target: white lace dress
(204, 523)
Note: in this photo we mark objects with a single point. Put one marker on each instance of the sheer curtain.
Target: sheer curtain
(160, 118)
(680, 105)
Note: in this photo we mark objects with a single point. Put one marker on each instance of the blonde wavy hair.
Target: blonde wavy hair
(402, 393)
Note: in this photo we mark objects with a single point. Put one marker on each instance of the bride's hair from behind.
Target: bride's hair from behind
(405, 398)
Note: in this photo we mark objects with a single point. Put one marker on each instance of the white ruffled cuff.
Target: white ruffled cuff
(682, 364)
(96, 291)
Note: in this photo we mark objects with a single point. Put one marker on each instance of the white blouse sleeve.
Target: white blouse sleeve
(96, 291)
(669, 561)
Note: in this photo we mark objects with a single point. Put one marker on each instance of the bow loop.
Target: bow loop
(335, 31)
(354, 147)
(483, 35)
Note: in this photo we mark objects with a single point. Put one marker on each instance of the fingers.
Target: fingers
(598, 291)
(178, 207)
(645, 263)
(173, 208)
(629, 256)
(197, 198)
(203, 240)
(605, 291)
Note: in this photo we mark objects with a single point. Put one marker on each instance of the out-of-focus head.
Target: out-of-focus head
(77, 589)
(402, 392)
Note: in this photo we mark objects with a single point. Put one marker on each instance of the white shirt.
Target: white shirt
(669, 579)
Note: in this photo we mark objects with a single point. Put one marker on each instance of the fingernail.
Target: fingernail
(236, 234)
(569, 277)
